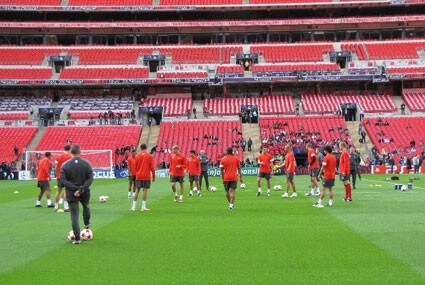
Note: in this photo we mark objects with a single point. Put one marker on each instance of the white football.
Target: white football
(86, 234)
(403, 188)
(102, 199)
(277, 187)
(71, 235)
(213, 188)
(195, 189)
(243, 186)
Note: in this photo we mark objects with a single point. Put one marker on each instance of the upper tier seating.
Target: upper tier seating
(183, 74)
(279, 67)
(328, 103)
(110, 3)
(293, 52)
(90, 138)
(275, 104)
(11, 116)
(172, 106)
(397, 135)
(133, 72)
(230, 69)
(287, 1)
(19, 107)
(25, 56)
(26, 73)
(356, 48)
(415, 100)
(399, 50)
(407, 70)
(31, 2)
(276, 135)
(107, 55)
(200, 2)
(11, 137)
(190, 135)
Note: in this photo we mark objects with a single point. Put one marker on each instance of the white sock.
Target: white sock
(190, 192)
(320, 201)
(60, 200)
(134, 204)
(181, 197)
(331, 202)
(56, 205)
(259, 189)
(143, 204)
(65, 205)
(268, 190)
(311, 190)
(231, 205)
(175, 194)
(38, 202)
(49, 202)
(318, 189)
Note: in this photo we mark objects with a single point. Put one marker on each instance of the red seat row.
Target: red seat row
(26, 73)
(182, 74)
(13, 116)
(11, 137)
(415, 99)
(296, 67)
(172, 106)
(105, 73)
(293, 52)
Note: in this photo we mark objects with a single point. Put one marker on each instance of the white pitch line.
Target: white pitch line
(388, 182)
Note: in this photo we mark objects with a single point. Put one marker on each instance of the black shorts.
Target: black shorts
(193, 178)
(344, 177)
(43, 184)
(230, 185)
(290, 176)
(174, 179)
(131, 178)
(264, 175)
(140, 184)
(60, 183)
(328, 183)
(314, 172)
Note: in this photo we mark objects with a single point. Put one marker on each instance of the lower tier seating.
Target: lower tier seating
(415, 100)
(11, 137)
(172, 106)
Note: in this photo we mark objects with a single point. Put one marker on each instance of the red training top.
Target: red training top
(229, 165)
(131, 163)
(329, 164)
(290, 162)
(344, 162)
(144, 166)
(177, 164)
(265, 158)
(193, 166)
(44, 170)
(312, 159)
(60, 160)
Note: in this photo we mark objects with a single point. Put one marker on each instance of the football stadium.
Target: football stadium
(212, 141)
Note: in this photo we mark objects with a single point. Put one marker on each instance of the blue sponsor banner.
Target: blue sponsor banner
(102, 173)
(121, 173)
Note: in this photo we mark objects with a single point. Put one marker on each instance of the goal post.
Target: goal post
(100, 160)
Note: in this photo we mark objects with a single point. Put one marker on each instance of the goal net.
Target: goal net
(100, 160)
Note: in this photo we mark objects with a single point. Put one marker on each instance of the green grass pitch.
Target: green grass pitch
(377, 239)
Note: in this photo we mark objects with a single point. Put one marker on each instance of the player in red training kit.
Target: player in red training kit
(264, 162)
(313, 167)
(131, 164)
(193, 167)
(289, 165)
(63, 157)
(328, 170)
(344, 170)
(230, 168)
(43, 180)
(177, 166)
(144, 172)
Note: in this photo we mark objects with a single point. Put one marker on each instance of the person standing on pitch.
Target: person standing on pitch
(264, 163)
(43, 180)
(328, 182)
(60, 160)
(230, 167)
(289, 164)
(77, 176)
(313, 167)
(204, 160)
(344, 170)
(177, 166)
(131, 164)
(354, 165)
(193, 167)
(144, 171)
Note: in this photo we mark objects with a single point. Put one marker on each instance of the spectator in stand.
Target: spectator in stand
(194, 112)
(416, 163)
(403, 108)
(16, 151)
(249, 144)
(243, 144)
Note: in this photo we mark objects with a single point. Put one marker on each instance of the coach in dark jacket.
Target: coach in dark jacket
(354, 165)
(77, 176)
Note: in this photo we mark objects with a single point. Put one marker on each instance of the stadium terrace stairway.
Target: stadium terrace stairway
(252, 131)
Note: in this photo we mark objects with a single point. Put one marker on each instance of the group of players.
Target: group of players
(142, 173)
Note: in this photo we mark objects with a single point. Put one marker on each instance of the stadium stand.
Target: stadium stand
(11, 137)
(398, 50)
(31, 2)
(280, 67)
(182, 74)
(85, 72)
(329, 103)
(267, 105)
(420, 70)
(292, 53)
(319, 131)
(396, 135)
(200, 2)
(25, 55)
(197, 135)
(415, 99)
(26, 73)
(172, 106)
(110, 2)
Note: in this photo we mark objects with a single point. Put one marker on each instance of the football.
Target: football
(213, 188)
(403, 188)
(71, 235)
(102, 199)
(277, 187)
(243, 186)
(275, 167)
(86, 234)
